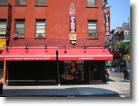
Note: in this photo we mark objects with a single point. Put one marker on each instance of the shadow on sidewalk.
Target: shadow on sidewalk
(66, 92)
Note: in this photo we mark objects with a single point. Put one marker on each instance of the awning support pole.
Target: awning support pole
(57, 66)
(4, 73)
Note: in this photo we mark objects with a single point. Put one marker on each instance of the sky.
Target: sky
(119, 12)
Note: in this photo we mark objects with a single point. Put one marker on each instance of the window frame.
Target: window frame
(93, 34)
(36, 28)
(91, 6)
(19, 36)
(41, 5)
(4, 4)
(4, 35)
(20, 4)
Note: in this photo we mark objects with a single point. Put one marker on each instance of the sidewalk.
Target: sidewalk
(112, 89)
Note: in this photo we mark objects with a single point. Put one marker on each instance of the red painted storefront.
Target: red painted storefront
(56, 14)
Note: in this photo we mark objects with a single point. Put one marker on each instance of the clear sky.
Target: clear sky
(119, 12)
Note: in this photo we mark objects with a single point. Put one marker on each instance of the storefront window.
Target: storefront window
(73, 71)
(1, 70)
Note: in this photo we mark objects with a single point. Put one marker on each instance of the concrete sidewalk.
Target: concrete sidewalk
(112, 89)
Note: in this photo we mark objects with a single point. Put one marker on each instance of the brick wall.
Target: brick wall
(56, 13)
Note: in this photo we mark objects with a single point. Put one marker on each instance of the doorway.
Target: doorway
(95, 71)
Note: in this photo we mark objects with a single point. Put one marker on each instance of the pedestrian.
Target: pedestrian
(107, 71)
(125, 74)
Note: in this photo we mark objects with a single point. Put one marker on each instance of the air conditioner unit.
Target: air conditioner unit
(40, 35)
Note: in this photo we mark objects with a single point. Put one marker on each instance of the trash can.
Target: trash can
(1, 88)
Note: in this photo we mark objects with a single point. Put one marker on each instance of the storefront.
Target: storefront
(45, 66)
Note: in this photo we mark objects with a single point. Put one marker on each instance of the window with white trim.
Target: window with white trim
(92, 28)
(40, 28)
(91, 3)
(20, 2)
(19, 27)
(2, 27)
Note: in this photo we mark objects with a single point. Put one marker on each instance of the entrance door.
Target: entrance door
(95, 71)
(31, 72)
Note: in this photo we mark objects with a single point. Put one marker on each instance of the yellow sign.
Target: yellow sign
(126, 57)
(72, 36)
(2, 43)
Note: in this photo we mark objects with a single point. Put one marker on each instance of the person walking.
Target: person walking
(107, 73)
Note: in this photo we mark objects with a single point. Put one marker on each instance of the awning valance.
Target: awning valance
(39, 54)
(84, 54)
(29, 54)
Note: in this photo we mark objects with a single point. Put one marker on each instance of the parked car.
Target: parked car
(114, 69)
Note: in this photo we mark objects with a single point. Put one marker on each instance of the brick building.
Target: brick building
(43, 36)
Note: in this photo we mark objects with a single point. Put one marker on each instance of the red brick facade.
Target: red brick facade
(56, 13)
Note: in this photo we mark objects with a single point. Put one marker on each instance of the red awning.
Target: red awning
(30, 54)
(84, 54)
(39, 54)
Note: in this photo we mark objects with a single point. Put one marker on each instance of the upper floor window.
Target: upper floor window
(40, 28)
(40, 2)
(92, 28)
(3, 2)
(2, 27)
(91, 3)
(19, 27)
(20, 2)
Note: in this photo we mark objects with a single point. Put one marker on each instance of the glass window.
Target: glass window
(91, 3)
(3, 27)
(92, 28)
(40, 28)
(20, 27)
(73, 72)
(20, 2)
(3, 2)
(40, 2)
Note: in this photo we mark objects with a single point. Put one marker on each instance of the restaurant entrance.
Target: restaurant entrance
(96, 71)
(31, 72)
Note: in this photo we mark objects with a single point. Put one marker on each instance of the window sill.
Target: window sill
(20, 5)
(92, 7)
(93, 38)
(4, 5)
(2, 37)
(39, 37)
(41, 5)
(18, 37)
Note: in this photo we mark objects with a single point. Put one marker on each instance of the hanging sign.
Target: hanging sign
(107, 20)
(72, 24)
(72, 35)
(2, 43)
